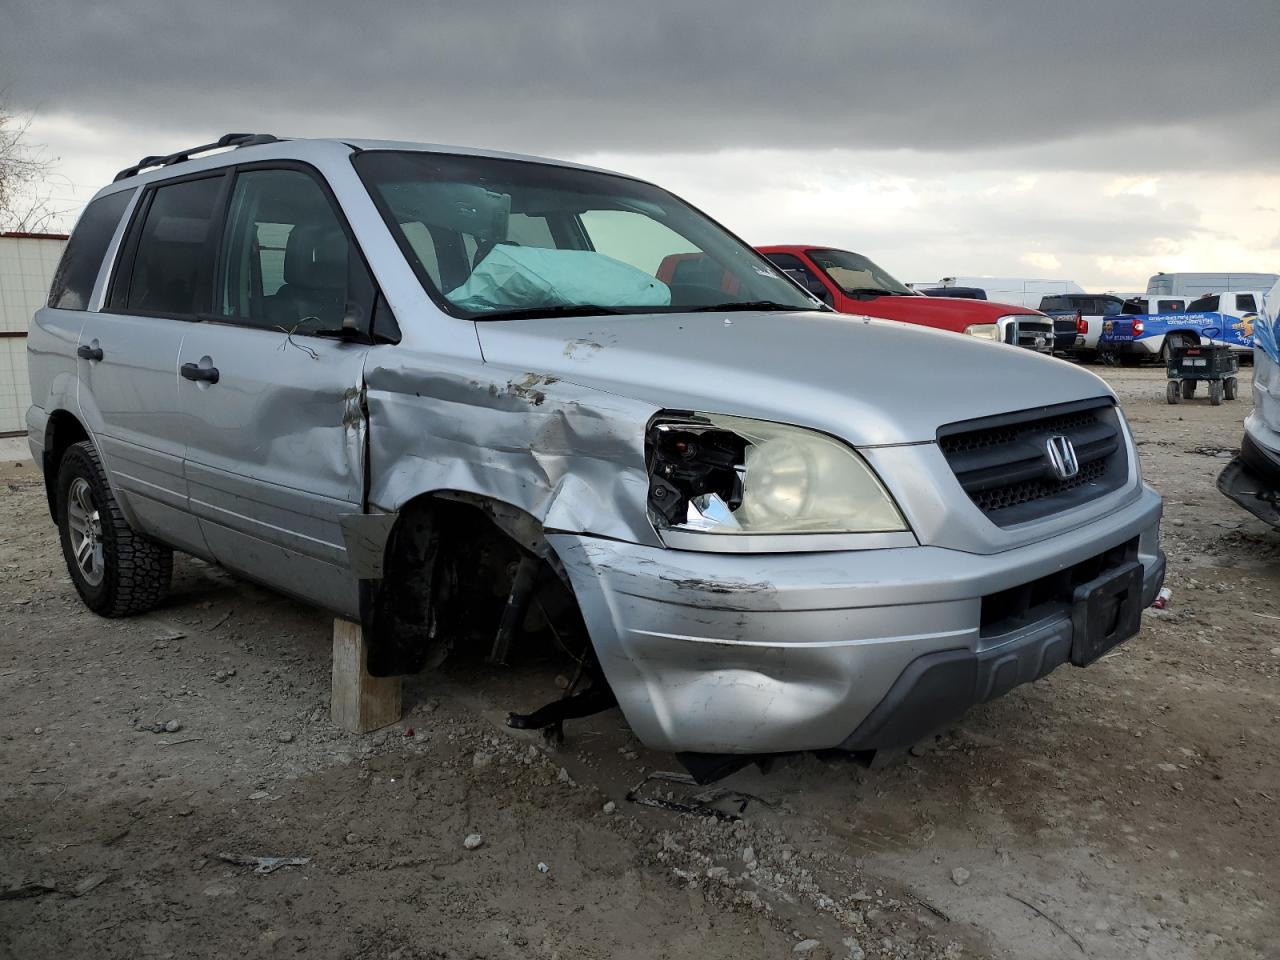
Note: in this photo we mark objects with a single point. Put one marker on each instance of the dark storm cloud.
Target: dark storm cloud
(572, 76)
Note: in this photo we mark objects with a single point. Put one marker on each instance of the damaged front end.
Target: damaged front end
(1252, 479)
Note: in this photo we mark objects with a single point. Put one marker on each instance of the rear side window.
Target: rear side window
(1207, 304)
(78, 269)
(1108, 308)
(173, 266)
(1246, 301)
(1057, 303)
(1169, 306)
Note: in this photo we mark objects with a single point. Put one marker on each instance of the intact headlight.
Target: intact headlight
(987, 331)
(720, 474)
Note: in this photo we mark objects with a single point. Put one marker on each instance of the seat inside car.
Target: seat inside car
(315, 279)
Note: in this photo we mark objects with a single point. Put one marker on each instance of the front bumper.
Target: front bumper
(1252, 479)
(1144, 347)
(752, 653)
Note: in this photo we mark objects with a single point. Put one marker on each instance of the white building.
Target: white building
(27, 265)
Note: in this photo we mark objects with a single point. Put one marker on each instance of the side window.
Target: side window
(1169, 306)
(1207, 304)
(173, 261)
(633, 238)
(1246, 301)
(287, 260)
(796, 269)
(1109, 308)
(81, 260)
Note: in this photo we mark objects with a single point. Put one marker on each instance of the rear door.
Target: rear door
(129, 352)
(270, 392)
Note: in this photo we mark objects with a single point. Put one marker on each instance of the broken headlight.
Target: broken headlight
(718, 474)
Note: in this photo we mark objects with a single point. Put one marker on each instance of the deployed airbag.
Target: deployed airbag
(514, 277)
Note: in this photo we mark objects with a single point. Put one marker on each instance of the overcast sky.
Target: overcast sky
(1092, 141)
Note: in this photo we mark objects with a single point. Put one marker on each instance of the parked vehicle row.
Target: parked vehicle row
(854, 284)
(1225, 319)
(402, 382)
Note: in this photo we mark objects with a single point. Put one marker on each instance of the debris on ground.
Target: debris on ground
(719, 802)
(170, 726)
(473, 841)
(263, 864)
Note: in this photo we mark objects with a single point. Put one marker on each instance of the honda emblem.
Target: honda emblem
(1062, 457)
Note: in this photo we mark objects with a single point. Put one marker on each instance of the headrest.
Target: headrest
(316, 256)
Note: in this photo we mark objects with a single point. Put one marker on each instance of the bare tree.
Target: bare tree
(24, 173)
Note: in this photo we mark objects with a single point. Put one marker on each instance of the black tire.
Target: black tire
(1231, 388)
(1174, 392)
(1189, 389)
(1215, 392)
(129, 573)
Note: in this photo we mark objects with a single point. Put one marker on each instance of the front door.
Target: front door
(270, 389)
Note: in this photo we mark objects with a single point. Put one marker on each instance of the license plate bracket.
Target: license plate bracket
(1106, 612)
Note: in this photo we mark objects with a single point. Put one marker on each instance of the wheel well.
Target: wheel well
(62, 431)
(449, 571)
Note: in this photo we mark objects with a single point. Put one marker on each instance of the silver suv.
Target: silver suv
(466, 397)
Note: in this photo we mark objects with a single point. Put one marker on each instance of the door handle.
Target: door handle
(193, 371)
(86, 352)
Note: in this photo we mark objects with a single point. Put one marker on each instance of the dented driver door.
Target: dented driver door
(271, 388)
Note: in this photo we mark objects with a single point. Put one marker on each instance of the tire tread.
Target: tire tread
(139, 570)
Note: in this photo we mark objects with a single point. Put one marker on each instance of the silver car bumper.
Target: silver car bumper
(749, 653)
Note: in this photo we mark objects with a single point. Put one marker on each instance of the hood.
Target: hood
(942, 312)
(867, 381)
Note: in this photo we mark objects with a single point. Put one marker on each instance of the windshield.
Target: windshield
(499, 239)
(855, 274)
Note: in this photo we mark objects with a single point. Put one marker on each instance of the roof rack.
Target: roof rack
(230, 140)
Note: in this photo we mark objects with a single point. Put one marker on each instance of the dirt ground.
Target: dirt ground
(1126, 810)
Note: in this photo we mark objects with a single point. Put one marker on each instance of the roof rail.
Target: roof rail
(229, 140)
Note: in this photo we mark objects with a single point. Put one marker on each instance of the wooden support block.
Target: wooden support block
(359, 703)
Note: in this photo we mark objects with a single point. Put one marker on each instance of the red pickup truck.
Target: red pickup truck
(853, 284)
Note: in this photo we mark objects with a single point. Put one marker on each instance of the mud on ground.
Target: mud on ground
(1126, 810)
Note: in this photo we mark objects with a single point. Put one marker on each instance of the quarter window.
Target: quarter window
(288, 262)
(78, 269)
(172, 269)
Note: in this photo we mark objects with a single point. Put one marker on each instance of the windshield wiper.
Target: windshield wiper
(552, 310)
(751, 305)
(872, 292)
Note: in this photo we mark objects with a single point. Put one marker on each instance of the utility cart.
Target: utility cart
(1218, 366)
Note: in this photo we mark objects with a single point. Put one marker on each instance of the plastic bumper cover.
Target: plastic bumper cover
(743, 653)
(1252, 479)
